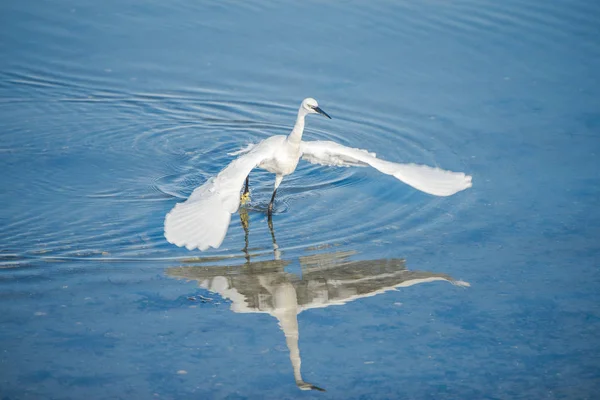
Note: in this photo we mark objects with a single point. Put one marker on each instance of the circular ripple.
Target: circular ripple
(107, 195)
(318, 205)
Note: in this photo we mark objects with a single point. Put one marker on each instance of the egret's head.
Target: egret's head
(312, 107)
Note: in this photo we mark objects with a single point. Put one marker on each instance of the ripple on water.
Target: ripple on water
(127, 158)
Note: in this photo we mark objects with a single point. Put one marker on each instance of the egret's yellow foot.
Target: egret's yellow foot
(245, 198)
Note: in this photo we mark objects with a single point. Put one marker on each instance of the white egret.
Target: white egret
(202, 220)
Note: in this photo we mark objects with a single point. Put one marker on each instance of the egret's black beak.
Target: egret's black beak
(318, 109)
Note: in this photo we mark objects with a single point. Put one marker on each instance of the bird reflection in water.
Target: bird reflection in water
(327, 279)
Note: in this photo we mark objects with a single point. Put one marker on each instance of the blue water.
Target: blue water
(112, 112)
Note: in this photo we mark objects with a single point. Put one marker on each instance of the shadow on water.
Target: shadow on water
(326, 279)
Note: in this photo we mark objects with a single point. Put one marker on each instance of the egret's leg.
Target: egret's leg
(246, 194)
(247, 185)
(270, 211)
(278, 179)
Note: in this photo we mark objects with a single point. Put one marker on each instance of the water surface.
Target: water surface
(112, 112)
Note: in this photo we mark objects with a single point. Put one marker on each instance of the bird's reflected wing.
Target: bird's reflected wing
(430, 180)
(202, 220)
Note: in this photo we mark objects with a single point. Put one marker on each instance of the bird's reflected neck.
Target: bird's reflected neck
(296, 136)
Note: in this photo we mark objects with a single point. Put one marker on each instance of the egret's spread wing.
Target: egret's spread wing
(202, 220)
(333, 154)
(430, 180)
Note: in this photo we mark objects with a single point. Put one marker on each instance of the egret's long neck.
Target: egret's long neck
(296, 136)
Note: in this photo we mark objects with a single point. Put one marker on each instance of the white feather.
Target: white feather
(427, 179)
(242, 150)
(203, 219)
